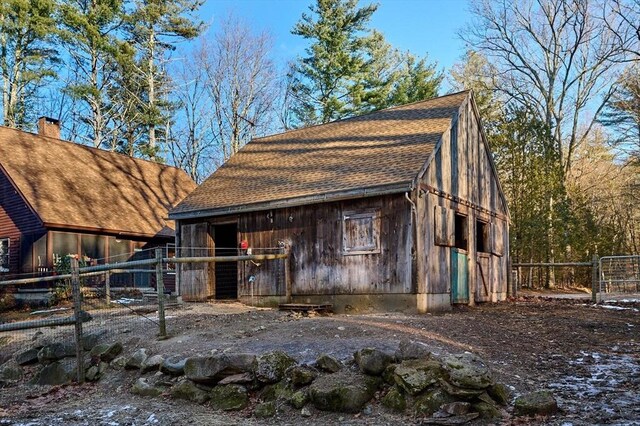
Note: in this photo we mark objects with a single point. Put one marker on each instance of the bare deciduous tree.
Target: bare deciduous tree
(555, 56)
(241, 81)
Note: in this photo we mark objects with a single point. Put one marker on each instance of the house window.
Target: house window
(361, 232)
(4, 254)
(461, 232)
(482, 237)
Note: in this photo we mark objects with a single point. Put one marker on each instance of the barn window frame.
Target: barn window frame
(360, 219)
(5, 254)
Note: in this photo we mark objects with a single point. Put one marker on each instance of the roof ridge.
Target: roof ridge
(90, 148)
(341, 120)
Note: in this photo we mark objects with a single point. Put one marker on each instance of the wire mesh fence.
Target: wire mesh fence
(619, 277)
(108, 297)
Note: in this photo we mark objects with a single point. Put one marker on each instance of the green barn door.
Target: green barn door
(459, 277)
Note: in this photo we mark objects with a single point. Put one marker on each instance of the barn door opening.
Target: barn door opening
(459, 261)
(226, 273)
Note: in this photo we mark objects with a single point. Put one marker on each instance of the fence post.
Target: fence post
(595, 281)
(77, 314)
(287, 274)
(107, 288)
(160, 289)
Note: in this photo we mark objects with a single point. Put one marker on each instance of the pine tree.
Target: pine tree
(154, 27)
(27, 56)
(89, 28)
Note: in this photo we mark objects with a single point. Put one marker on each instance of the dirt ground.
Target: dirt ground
(589, 356)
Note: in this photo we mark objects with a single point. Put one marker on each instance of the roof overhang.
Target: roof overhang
(104, 231)
(297, 201)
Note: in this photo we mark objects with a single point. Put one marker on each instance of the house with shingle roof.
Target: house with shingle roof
(59, 198)
(397, 209)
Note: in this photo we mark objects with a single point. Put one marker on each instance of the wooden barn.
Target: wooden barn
(399, 209)
(59, 198)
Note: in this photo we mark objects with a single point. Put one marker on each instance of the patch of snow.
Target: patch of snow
(615, 308)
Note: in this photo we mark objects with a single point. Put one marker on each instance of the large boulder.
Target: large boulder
(153, 363)
(29, 356)
(135, 361)
(144, 388)
(411, 349)
(467, 371)
(536, 403)
(106, 352)
(10, 371)
(271, 367)
(301, 375)
(328, 363)
(190, 391)
(229, 397)
(56, 351)
(415, 375)
(372, 361)
(173, 366)
(211, 369)
(344, 391)
(56, 373)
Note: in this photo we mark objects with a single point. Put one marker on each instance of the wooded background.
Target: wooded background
(557, 83)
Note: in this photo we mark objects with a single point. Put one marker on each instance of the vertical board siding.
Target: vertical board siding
(16, 221)
(318, 262)
(462, 169)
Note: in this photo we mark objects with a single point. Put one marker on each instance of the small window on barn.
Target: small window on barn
(482, 237)
(4, 255)
(361, 232)
(461, 232)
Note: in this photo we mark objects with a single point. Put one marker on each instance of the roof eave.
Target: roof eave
(297, 201)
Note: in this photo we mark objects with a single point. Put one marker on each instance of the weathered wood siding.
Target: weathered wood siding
(195, 284)
(16, 221)
(319, 264)
(461, 179)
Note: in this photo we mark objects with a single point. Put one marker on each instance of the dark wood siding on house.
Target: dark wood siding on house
(17, 222)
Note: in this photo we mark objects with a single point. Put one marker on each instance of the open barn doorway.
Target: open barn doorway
(226, 273)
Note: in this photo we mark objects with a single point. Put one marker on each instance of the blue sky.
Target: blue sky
(420, 26)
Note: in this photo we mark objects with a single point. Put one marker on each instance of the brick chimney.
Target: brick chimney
(48, 126)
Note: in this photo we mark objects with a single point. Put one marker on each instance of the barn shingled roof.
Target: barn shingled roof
(75, 186)
(383, 149)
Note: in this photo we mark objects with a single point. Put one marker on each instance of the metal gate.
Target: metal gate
(619, 276)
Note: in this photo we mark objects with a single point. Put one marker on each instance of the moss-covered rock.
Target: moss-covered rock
(499, 393)
(106, 352)
(343, 391)
(173, 366)
(416, 375)
(411, 349)
(135, 361)
(372, 361)
(388, 374)
(56, 351)
(486, 410)
(190, 391)
(395, 400)
(152, 363)
(328, 363)
(28, 356)
(229, 397)
(271, 367)
(57, 373)
(458, 392)
(212, 369)
(144, 388)
(301, 375)
(280, 391)
(265, 410)
(299, 399)
(430, 402)
(10, 371)
(536, 403)
(467, 371)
